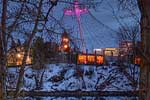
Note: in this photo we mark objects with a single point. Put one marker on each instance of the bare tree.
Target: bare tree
(3, 50)
(39, 16)
(39, 60)
(23, 19)
(130, 38)
(145, 50)
(145, 34)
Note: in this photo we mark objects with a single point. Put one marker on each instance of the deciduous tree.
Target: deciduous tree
(144, 6)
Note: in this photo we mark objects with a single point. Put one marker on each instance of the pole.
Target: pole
(81, 35)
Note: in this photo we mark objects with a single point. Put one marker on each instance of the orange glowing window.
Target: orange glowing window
(81, 59)
(137, 60)
(100, 59)
(91, 58)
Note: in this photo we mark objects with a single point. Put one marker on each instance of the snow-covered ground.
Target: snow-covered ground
(57, 77)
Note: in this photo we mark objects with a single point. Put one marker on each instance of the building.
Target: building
(15, 56)
(129, 51)
(109, 54)
(90, 59)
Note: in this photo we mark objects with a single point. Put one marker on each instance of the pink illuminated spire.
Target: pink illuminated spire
(76, 10)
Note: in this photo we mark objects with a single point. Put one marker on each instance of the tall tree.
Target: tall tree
(19, 20)
(22, 19)
(3, 49)
(144, 6)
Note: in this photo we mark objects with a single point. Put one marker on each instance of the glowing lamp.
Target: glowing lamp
(19, 55)
(65, 46)
(65, 39)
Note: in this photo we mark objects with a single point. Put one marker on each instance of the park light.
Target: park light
(65, 46)
(18, 55)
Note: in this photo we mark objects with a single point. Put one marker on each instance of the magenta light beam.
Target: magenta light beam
(77, 11)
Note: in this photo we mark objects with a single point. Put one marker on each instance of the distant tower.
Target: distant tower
(76, 10)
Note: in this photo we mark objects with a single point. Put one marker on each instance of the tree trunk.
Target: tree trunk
(1, 69)
(27, 48)
(3, 47)
(145, 36)
(2, 90)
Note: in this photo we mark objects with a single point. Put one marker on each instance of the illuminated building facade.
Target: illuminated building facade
(15, 56)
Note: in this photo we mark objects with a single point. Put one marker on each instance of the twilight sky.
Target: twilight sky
(99, 26)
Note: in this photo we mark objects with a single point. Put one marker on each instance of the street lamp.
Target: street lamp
(65, 46)
(19, 55)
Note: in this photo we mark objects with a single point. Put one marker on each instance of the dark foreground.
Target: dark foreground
(77, 93)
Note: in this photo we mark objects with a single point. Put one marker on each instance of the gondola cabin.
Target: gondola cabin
(90, 59)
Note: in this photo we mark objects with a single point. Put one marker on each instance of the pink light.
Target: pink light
(69, 11)
(77, 11)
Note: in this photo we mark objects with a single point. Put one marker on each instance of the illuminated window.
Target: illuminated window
(137, 60)
(108, 53)
(81, 59)
(100, 60)
(91, 58)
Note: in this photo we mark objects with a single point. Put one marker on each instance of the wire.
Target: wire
(92, 38)
(101, 22)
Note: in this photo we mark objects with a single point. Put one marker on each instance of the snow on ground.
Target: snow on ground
(58, 77)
